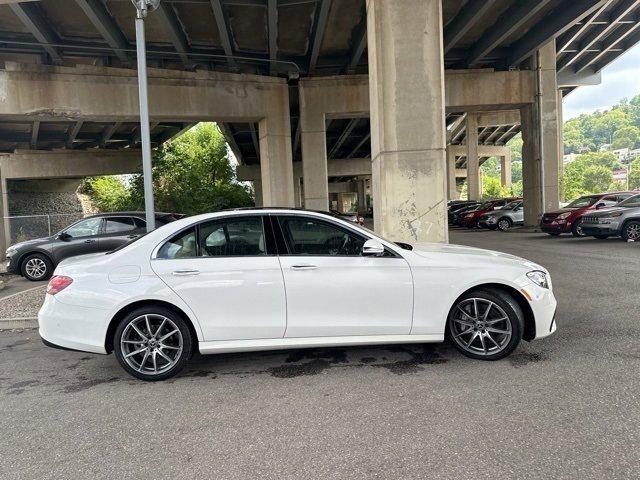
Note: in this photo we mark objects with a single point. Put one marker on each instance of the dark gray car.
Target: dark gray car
(621, 220)
(503, 218)
(36, 259)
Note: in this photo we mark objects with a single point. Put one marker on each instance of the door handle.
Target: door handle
(185, 273)
(303, 267)
(89, 241)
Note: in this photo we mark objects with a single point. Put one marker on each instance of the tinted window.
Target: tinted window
(610, 200)
(119, 225)
(583, 202)
(631, 202)
(140, 223)
(85, 228)
(182, 245)
(308, 236)
(232, 237)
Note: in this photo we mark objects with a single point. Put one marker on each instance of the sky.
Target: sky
(619, 80)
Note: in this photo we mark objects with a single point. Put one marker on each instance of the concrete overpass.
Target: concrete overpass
(297, 84)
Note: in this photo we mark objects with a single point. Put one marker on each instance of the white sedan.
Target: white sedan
(274, 278)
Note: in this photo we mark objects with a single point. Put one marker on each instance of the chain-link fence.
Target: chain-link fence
(28, 227)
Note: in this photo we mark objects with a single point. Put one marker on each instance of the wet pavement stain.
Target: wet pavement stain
(313, 367)
(428, 356)
(522, 359)
(85, 384)
(367, 359)
(16, 344)
(332, 355)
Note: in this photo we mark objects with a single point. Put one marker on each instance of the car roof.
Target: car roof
(128, 214)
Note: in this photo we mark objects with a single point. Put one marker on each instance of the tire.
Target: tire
(36, 267)
(175, 352)
(576, 229)
(504, 224)
(631, 231)
(471, 337)
(601, 237)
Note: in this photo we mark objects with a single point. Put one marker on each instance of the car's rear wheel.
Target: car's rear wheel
(504, 224)
(631, 231)
(486, 324)
(152, 343)
(576, 228)
(37, 267)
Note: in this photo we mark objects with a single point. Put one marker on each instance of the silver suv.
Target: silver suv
(503, 218)
(621, 220)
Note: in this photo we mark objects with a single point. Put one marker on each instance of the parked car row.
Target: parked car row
(501, 213)
(603, 215)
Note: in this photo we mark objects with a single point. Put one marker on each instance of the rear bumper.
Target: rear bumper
(72, 327)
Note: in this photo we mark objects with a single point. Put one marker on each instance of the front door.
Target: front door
(225, 271)
(81, 238)
(118, 231)
(332, 290)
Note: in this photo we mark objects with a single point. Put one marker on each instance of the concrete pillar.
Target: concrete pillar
(257, 192)
(5, 233)
(473, 162)
(505, 170)
(276, 159)
(560, 143)
(452, 191)
(314, 155)
(362, 195)
(406, 91)
(297, 199)
(541, 158)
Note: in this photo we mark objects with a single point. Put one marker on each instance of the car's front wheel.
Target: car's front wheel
(631, 231)
(504, 224)
(486, 324)
(576, 229)
(152, 343)
(37, 267)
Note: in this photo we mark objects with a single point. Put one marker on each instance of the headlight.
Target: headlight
(539, 278)
(10, 251)
(562, 216)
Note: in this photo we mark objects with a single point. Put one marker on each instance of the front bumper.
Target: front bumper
(72, 327)
(543, 304)
(11, 265)
(555, 227)
(592, 229)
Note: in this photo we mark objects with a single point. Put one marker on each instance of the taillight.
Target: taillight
(58, 283)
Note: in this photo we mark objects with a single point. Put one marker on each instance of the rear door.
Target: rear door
(81, 238)
(117, 231)
(228, 272)
(332, 290)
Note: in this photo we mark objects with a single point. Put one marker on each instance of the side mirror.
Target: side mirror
(600, 205)
(64, 236)
(372, 248)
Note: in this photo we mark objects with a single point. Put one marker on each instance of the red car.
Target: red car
(569, 218)
(470, 219)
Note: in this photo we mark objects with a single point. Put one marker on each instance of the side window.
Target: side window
(610, 200)
(623, 197)
(85, 228)
(308, 236)
(232, 237)
(182, 245)
(115, 225)
(142, 224)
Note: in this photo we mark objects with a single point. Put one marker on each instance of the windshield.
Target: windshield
(511, 205)
(583, 202)
(630, 202)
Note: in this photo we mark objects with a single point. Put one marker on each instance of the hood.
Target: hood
(560, 211)
(604, 212)
(31, 243)
(425, 249)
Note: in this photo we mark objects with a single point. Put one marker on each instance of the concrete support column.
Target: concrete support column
(505, 170)
(257, 192)
(560, 143)
(362, 195)
(452, 190)
(276, 159)
(5, 232)
(297, 198)
(541, 135)
(406, 91)
(473, 162)
(314, 154)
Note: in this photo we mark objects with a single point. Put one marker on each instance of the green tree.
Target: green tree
(627, 137)
(515, 144)
(597, 178)
(586, 174)
(634, 174)
(109, 194)
(607, 123)
(191, 174)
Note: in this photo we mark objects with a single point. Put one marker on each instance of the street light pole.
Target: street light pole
(143, 7)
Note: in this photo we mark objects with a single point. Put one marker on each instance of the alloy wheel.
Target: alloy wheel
(503, 224)
(633, 231)
(151, 344)
(35, 268)
(480, 326)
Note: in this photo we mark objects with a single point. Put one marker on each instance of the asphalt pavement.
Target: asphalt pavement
(564, 407)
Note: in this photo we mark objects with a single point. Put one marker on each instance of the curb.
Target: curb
(18, 322)
(21, 292)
